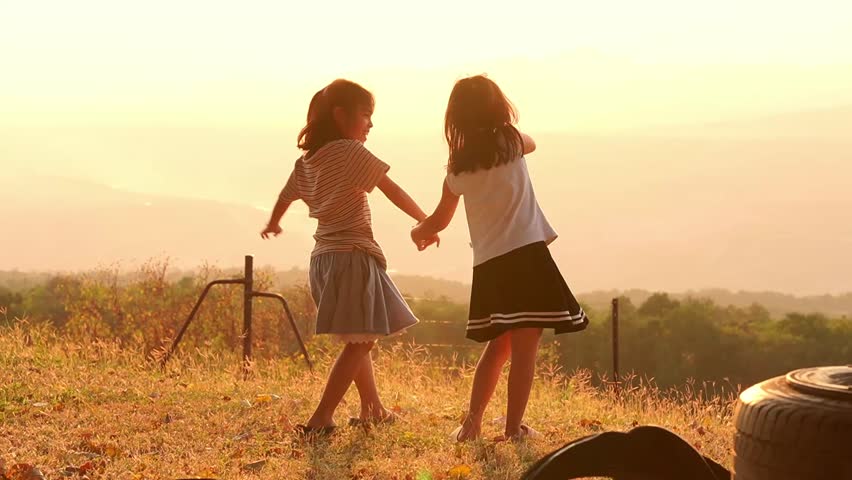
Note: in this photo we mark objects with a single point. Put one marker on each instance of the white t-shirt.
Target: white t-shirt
(502, 212)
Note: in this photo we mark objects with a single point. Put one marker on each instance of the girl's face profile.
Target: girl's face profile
(355, 125)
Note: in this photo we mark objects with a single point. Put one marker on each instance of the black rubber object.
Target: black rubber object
(796, 427)
(644, 453)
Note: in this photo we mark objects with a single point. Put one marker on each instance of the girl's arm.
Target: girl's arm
(398, 197)
(439, 219)
(274, 226)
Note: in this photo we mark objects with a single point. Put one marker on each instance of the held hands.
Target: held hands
(422, 239)
(273, 229)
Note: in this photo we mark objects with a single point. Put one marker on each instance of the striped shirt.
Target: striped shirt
(334, 183)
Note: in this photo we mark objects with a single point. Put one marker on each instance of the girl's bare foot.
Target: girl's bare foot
(523, 433)
(470, 429)
(384, 417)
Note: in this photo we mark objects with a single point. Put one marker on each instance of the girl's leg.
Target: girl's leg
(365, 381)
(524, 344)
(340, 378)
(484, 382)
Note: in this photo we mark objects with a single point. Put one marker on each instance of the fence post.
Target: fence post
(615, 340)
(247, 297)
(248, 294)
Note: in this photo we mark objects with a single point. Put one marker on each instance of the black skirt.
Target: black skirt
(521, 289)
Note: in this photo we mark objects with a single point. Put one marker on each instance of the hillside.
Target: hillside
(776, 303)
(105, 410)
(63, 224)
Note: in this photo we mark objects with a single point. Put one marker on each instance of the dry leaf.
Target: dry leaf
(85, 468)
(112, 451)
(274, 451)
(590, 424)
(69, 471)
(460, 472)
(254, 466)
(24, 471)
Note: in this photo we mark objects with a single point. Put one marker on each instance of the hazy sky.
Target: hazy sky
(568, 64)
(204, 99)
(113, 90)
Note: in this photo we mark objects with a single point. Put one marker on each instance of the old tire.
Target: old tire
(796, 427)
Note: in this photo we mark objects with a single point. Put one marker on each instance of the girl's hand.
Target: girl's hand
(423, 239)
(417, 235)
(273, 229)
(433, 239)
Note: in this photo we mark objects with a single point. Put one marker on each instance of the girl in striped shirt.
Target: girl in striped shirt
(517, 289)
(356, 300)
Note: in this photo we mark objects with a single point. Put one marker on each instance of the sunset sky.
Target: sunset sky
(610, 64)
(203, 99)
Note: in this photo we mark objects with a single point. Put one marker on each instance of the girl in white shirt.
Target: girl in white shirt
(517, 288)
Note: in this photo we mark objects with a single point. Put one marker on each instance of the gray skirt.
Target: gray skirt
(356, 300)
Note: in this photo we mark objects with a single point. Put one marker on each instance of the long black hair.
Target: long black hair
(479, 126)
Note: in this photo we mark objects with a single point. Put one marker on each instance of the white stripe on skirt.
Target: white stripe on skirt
(520, 317)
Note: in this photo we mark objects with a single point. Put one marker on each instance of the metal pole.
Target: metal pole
(247, 296)
(290, 317)
(615, 340)
(192, 316)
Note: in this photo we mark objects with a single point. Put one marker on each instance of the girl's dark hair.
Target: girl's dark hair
(321, 127)
(479, 126)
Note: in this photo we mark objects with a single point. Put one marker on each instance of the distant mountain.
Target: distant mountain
(677, 213)
(778, 304)
(61, 224)
(825, 123)
(751, 205)
(418, 286)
